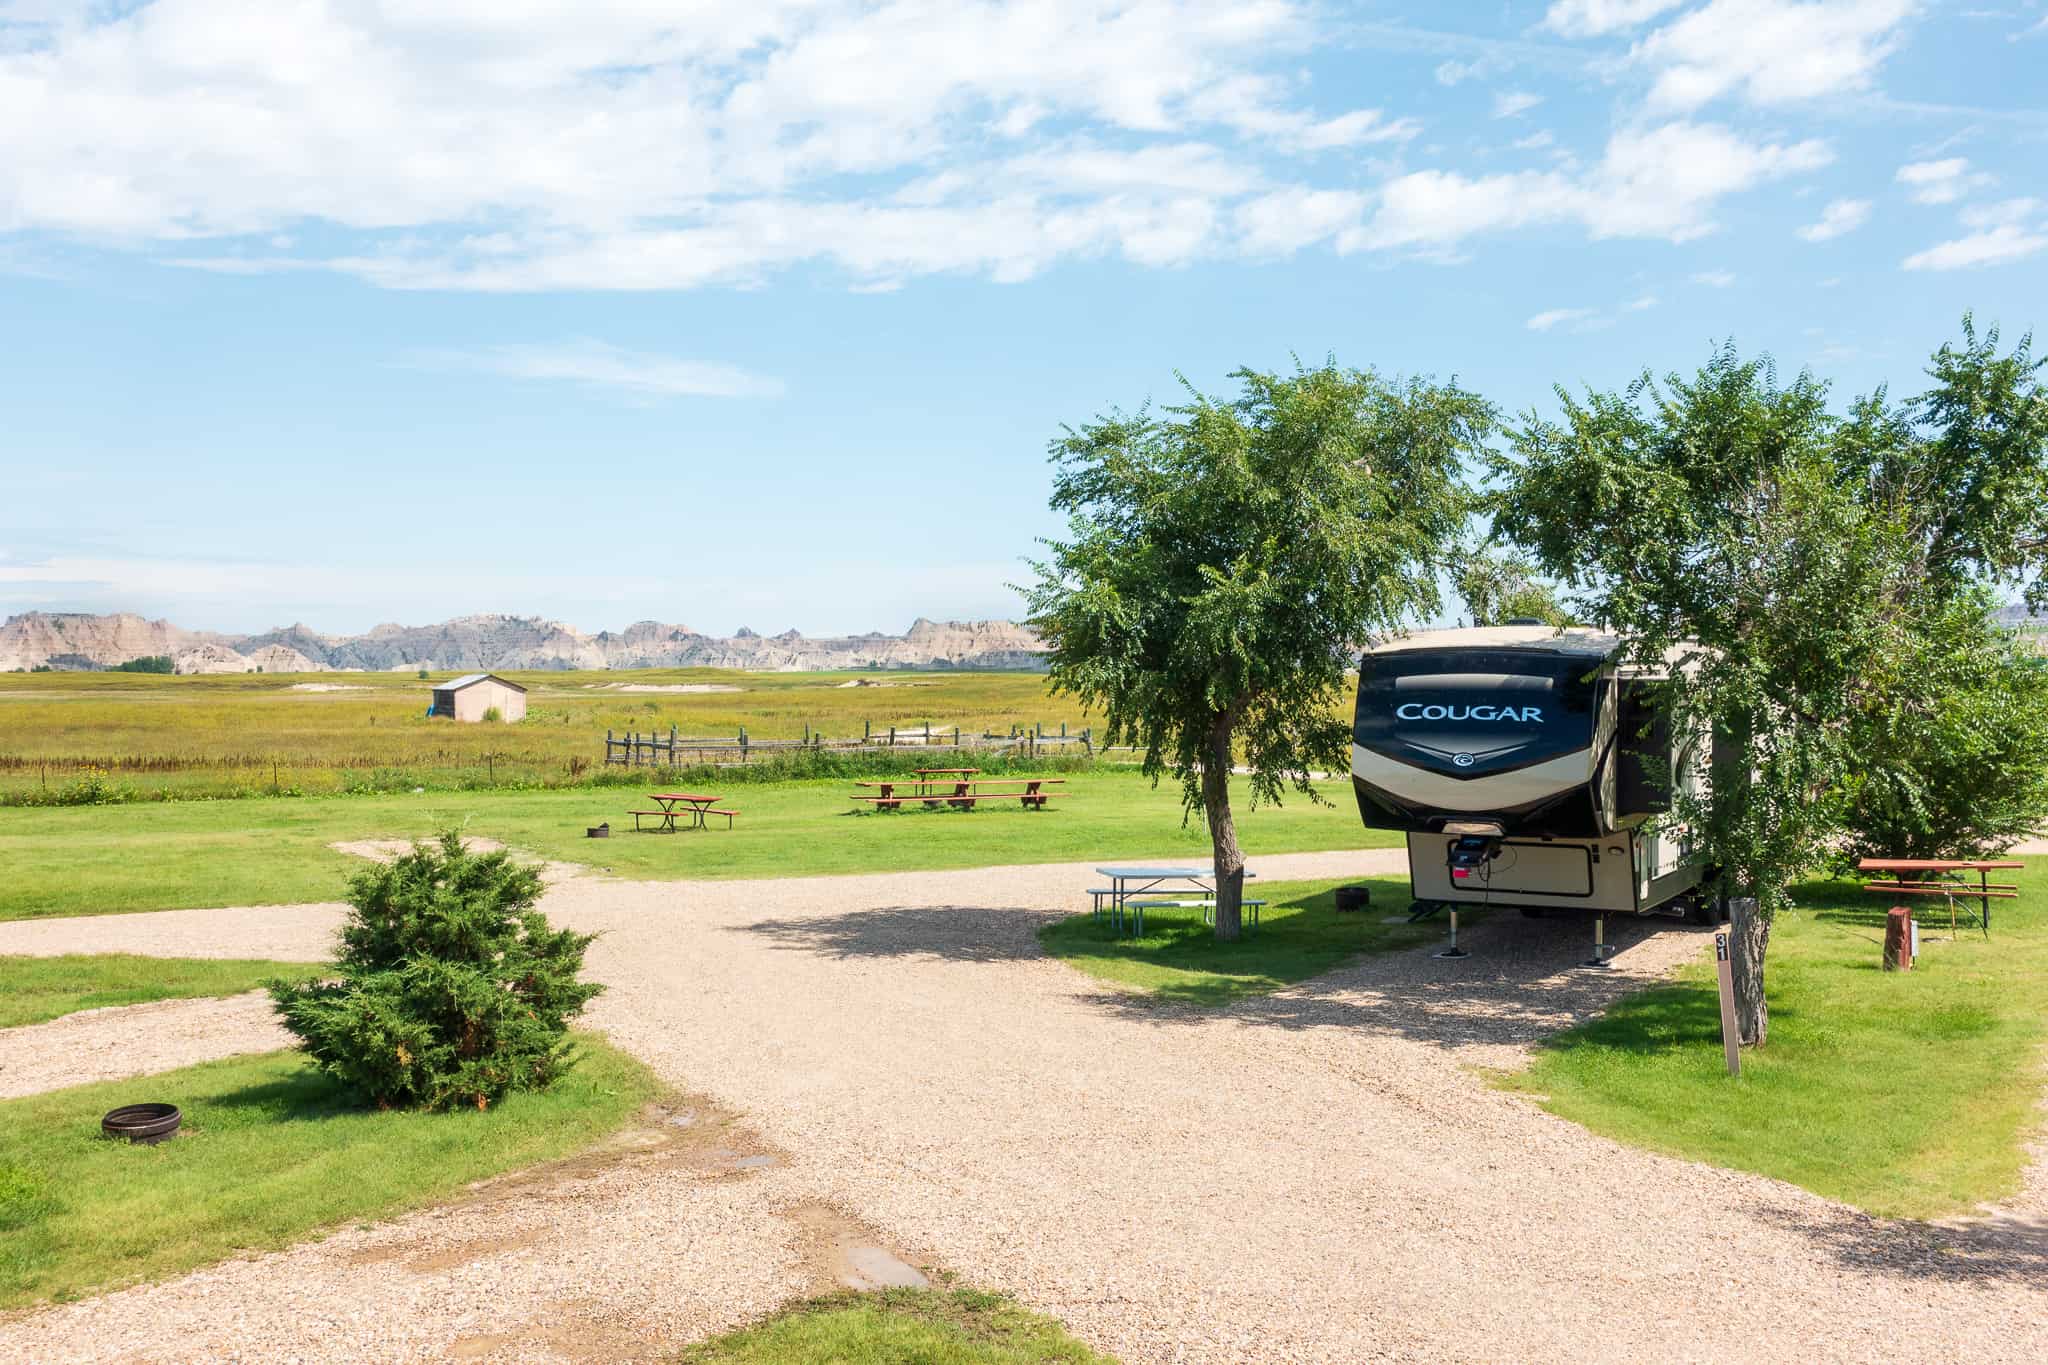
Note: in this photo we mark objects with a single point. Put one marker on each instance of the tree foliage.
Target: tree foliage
(1225, 558)
(1498, 588)
(452, 990)
(1816, 561)
(1952, 762)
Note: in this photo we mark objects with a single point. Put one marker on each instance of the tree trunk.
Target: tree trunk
(1223, 830)
(1749, 933)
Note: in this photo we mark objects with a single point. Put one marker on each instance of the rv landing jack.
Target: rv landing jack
(1603, 951)
(1454, 950)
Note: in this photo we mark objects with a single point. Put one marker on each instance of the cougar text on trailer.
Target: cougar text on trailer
(1526, 765)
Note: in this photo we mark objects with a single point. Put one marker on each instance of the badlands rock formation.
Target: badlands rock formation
(64, 640)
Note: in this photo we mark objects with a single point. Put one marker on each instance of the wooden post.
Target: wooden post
(1731, 1031)
(1898, 939)
(892, 736)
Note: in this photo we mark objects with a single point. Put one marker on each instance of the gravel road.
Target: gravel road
(1317, 1175)
(134, 1040)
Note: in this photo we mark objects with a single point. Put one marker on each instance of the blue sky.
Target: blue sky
(762, 314)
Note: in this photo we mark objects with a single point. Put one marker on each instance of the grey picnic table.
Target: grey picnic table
(1126, 882)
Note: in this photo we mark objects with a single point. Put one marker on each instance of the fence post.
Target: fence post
(867, 730)
(1088, 741)
(892, 736)
(927, 733)
(743, 744)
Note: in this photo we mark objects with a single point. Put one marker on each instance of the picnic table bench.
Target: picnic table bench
(1945, 877)
(692, 804)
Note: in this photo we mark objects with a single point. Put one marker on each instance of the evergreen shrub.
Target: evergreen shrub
(450, 989)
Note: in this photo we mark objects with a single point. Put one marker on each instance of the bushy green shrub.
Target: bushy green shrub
(452, 989)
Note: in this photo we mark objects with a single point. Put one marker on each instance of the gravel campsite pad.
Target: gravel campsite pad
(1320, 1174)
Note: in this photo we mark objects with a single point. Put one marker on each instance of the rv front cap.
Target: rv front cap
(1417, 711)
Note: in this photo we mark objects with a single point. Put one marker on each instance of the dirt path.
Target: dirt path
(1312, 1176)
(134, 1040)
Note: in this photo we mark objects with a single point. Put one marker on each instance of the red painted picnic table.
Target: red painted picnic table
(672, 804)
(1944, 877)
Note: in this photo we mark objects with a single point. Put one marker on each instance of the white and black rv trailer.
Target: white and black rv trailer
(1526, 765)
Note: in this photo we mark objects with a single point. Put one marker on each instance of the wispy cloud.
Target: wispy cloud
(596, 365)
(2000, 234)
(1559, 317)
(1940, 182)
(1714, 279)
(1514, 103)
(1840, 217)
(1591, 18)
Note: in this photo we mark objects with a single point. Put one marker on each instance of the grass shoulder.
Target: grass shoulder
(81, 1214)
(36, 989)
(930, 1326)
(1904, 1094)
(1301, 934)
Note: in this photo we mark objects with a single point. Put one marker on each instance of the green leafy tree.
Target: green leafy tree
(1784, 550)
(1953, 761)
(1224, 559)
(451, 988)
(1498, 588)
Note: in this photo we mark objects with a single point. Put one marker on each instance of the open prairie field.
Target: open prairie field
(330, 732)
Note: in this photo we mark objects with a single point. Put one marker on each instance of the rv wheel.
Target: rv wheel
(1705, 909)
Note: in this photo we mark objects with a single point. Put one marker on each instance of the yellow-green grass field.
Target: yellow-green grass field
(159, 856)
(1907, 1095)
(240, 733)
(270, 1153)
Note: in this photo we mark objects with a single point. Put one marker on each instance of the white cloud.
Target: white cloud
(2000, 245)
(594, 364)
(1590, 18)
(1770, 51)
(630, 144)
(1454, 72)
(1557, 317)
(1940, 182)
(1535, 142)
(1288, 220)
(2010, 230)
(1514, 103)
(1839, 217)
(1641, 304)
(1714, 279)
(1650, 182)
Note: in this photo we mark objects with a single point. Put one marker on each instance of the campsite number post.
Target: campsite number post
(1731, 1037)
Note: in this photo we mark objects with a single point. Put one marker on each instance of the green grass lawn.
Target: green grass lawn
(1907, 1095)
(1301, 934)
(895, 1327)
(33, 989)
(100, 860)
(269, 1155)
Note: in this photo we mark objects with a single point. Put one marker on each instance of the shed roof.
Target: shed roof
(472, 679)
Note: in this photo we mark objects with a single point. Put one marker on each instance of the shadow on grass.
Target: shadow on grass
(307, 1095)
(2003, 1250)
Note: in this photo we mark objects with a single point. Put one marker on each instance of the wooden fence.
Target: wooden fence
(675, 750)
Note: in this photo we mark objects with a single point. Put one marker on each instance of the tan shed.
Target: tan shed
(468, 697)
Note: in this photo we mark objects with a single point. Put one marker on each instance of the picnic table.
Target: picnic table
(1945, 877)
(695, 805)
(962, 791)
(1127, 882)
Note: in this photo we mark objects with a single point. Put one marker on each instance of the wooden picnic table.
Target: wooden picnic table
(965, 791)
(1944, 877)
(694, 804)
